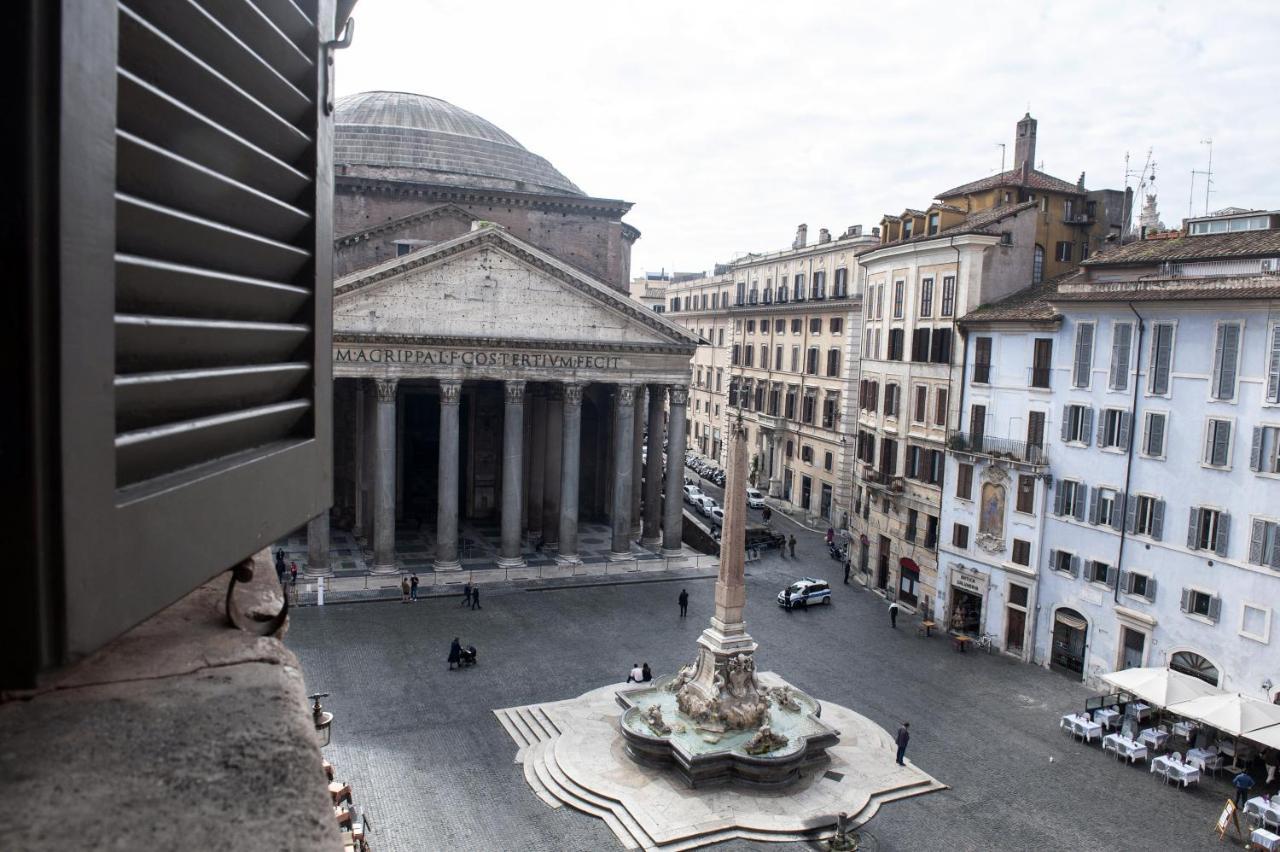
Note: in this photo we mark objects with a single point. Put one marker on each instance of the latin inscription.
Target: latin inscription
(476, 358)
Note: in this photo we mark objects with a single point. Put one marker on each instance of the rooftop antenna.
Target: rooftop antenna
(1148, 168)
(1002, 147)
(1208, 175)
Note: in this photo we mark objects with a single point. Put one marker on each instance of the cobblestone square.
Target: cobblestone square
(434, 769)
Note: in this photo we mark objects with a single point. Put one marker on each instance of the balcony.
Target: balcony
(1038, 377)
(1079, 219)
(998, 448)
(872, 476)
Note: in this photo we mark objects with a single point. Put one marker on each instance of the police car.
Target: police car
(804, 592)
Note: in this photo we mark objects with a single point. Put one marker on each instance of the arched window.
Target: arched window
(1037, 265)
(1191, 663)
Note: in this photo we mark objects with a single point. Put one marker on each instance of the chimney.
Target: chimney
(824, 236)
(1080, 183)
(854, 231)
(1024, 145)
(875, 231)
(802, 237)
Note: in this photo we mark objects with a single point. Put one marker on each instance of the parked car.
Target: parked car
(763, 538)
(755, 500)
(691, 494)
(704, 505)
(804, 592)
(717, 516)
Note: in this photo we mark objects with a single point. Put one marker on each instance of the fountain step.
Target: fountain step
(531, 778)
(531, 734)
(514, 732)
(534, 719)
(573, 787)
(534, 757)
(547, 721)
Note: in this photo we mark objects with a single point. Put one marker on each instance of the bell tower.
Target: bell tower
(1024, 145)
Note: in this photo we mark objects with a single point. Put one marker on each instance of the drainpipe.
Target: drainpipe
(1128, 469)
(946, 433)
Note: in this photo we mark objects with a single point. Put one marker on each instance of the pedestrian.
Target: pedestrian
(904, 737)
(466, 594)
(293, 573)
(455, 653)
(646, 673)
(281, 568)
(847, 565)
(766, 513)
(404, 589)
(893, 614)
(684, 602)
(413, 587)
(636, 675)
(831, 536)
(475, 598)
(1243, 783)
(1269, 761)
(792, 543)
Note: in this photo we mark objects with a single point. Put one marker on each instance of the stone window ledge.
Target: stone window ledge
(184, 733)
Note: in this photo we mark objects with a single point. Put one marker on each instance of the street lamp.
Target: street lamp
(322, 718)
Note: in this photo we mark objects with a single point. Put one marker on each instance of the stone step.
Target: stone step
(531, 776)
(530, 735)
(547, 721)
(618, 809)
(530, 716)
(535, 759)
(509, 726)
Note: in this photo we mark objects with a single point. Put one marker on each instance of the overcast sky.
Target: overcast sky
(728, 124)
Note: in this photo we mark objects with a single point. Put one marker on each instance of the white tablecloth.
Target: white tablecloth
(1184, 729)
(1143, 710)
(1152, 737)
(1264, 839)
(1180, 772)
(1107, 718)
(1204, 760)
(1124, 746)
(1268, 813)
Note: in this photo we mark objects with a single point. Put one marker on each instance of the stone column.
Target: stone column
(510, 555)
(653, 471)
(537, 456)
(447, 479)
(358, 527)
(673, 511)
(570, 458)
(624, 424)
(318, 563)
(637, 461)
(551, 468)
(384, 479)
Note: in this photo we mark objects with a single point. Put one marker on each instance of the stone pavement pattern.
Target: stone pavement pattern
(434, 767)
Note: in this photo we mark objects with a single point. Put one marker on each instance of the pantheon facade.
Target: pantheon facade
(490, 369)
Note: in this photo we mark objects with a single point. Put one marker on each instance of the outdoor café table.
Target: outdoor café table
(1267, 813)
(1088, 730)
(1124, 747)
(1264, 839)
(1204, 760)
(1142, 711)
(1180, 772)
(1106, 717)
(1153, 737)
(1071, 722)
(1184, 729)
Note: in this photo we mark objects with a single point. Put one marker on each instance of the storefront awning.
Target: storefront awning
(1072, 621)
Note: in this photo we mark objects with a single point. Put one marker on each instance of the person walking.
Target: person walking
(466, 594)
(413, 587)
(904, 737)
(792, 544)
(404, 589)
(475, 598)
(293, 574)
(281, 568)
(831, 536)
(1243, 783)
(893, 615)
(455, 653)
(847, 565)
(766, 513)
(684, 602)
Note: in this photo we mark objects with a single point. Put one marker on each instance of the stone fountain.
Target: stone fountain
(719, 724)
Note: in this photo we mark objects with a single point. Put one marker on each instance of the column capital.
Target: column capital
(386, 389)
(626, 395)
(450, 391)
(573, 393)
(679, 394)
(514, 391)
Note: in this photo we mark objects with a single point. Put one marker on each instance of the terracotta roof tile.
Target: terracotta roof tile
(1202, 247)
(976, 223)
(1014, 177)
(1171, 289)
(1029, 305)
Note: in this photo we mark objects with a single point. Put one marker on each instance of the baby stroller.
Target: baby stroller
(468, 657)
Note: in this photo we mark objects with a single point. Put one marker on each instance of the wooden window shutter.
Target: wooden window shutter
(1223, 534)
(1257, 538)
(195, 285)
(1084, 355)
(1193, 529)
(1185, 604)
(1151, 589)
(1157, 520)
(1273, 365)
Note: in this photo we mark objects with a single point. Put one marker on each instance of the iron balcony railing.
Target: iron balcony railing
(998, 448)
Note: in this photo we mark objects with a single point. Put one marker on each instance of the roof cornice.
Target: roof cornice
(395, 224)
(474, 195)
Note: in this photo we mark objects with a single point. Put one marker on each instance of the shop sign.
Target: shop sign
(971, 582)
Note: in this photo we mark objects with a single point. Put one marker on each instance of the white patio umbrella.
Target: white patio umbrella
(1230, 713)
(1161, 687)
(1268, 736)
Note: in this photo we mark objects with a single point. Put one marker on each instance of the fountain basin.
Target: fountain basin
(705, 758)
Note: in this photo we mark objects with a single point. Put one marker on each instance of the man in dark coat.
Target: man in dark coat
(475, 598)
(792, 543)
(281, 568)
(455, 653)
(684, 603)
(466, 595)
(904, 737)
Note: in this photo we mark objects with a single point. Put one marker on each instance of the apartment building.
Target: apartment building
(1162, 542)
(785, 334)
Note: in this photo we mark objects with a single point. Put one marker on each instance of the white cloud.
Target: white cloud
(730, 123)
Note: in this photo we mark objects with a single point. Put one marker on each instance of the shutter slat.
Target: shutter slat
(157, 117)
(145, 286)
(163, 233)
(148, 453)
(150, 172)
(296, 20)
(148, 399)
(153, 344)
(208, 39)
(255, 27)
(151, 55)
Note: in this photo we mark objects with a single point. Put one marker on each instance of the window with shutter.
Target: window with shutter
(1121, 343)
(1223, 532)
(193, 251)
(1264, 543)
(1218, 443)
(1084, 355)
(1273, 365)
(1157, 520)
(1226, 355)
(1161, 359)
(1153, 440)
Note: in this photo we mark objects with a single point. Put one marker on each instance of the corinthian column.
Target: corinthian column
(384, 479)
(653, 471)
(318, 563)
(637, 462)
(673, 511)
(512, 472)
(447, 478)
(551, 468)
(570, 456)
(623, 427)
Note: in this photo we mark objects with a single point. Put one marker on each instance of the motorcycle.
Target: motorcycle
(837, 552)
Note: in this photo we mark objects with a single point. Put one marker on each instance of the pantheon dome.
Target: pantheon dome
(403, 136)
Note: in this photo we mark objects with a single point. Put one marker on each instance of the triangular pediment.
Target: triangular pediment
(489, 285)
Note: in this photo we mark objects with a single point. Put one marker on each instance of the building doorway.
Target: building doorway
(806, 492)
(882, 563)
(1070, 632)
(908, 581)
(966, 612)
(1133, 646)
(1015, 620)
(824, 504)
